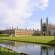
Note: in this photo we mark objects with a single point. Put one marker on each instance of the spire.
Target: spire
(41, 20)
(47, 20)
(47, 24)
(41, 25)
(12, 27)
(17, 27)
(33, 29)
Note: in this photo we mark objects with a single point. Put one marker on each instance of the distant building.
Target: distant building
(46, 28)
(16, 32)
(23, 32)
(8, 31)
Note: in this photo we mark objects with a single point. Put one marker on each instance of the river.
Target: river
(29, 48)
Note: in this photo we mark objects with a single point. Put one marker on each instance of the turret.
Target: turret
(47, 24)
(41, 25)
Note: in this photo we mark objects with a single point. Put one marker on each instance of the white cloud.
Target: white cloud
(17, 11)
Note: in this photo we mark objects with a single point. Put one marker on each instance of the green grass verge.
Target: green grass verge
(34, 39)
(6, 51)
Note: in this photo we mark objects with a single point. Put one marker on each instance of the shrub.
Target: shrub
(4, 35)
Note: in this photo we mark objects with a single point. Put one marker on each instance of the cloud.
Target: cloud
(14, 12)
(42, 4)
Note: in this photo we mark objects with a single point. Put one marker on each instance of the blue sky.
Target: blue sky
(26, 13)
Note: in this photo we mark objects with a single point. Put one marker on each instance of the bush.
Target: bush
(4, 35)
(36, 33)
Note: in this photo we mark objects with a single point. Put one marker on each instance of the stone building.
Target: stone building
(46, 28)
(16, 32)
(23, 32)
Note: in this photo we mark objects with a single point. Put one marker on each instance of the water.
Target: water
(29, 48)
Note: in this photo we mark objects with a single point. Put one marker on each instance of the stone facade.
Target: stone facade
(16, 32)
(23, 32)
(46, 28)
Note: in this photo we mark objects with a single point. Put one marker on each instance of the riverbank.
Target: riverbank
(30, 39)
(6, 51)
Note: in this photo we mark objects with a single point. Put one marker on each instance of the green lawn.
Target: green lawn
(6, 51)
(33, 39)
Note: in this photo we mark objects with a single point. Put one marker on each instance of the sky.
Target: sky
(25, 13)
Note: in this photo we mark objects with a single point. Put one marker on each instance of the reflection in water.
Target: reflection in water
(29, 48)
(47, 50)
(54, 51)
(44, 50)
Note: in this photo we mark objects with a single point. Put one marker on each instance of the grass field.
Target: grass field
(32, 39)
